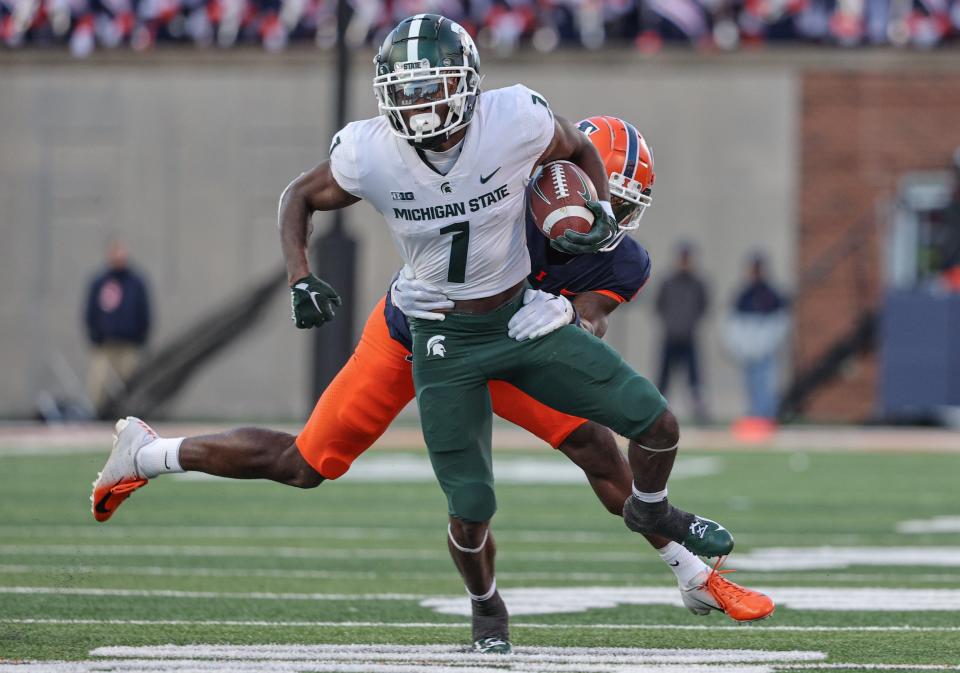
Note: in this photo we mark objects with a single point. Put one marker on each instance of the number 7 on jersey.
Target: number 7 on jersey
(457, 271)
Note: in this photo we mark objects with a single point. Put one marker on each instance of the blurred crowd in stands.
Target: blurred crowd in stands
(502, 25)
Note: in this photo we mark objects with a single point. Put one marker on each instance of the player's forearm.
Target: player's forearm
(588, 158)
(312, 191)
(596, 325)
(293, 220)
(591, 319)
(594, 310)
(571, 145)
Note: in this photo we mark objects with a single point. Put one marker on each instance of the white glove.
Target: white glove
(540, 314)
(417, 298)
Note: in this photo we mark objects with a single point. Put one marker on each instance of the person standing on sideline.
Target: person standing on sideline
(681, 304)
(118, 320)
(754, 334)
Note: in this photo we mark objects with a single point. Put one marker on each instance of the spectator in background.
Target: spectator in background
(118, 321)
(681, 304)
(754, 333)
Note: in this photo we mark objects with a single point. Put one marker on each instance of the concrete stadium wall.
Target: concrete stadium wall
(184, 156)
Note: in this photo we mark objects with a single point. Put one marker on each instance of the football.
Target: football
(557, 199)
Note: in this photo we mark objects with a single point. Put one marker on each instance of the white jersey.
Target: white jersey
(463, 231)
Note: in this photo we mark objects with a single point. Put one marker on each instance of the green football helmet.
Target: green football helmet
(426, 62)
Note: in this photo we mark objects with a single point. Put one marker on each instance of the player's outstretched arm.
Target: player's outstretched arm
(571, 145)
(312, 299)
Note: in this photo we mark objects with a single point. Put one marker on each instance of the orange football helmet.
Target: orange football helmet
(629, 164)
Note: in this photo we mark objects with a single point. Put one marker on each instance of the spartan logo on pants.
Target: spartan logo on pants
(435, 347)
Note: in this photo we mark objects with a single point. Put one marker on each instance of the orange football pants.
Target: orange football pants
(377, 383)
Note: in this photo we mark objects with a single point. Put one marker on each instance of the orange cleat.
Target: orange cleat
(716, 592)
(119, 476)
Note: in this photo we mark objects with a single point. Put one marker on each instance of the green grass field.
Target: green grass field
(188, 563)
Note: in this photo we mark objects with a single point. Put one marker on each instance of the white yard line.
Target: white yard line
(222, 551)
(437, 659)
(565, 600)
(86, 531)
(486, 665)
(760, 559)
(618, 536)
(256, 624)
(220, 595)
(937, 524)
(827, 556)
(629, 576)
(561, 600)
(450, 653)
(375, 553)
(444, 659)
(408, 468)
(283, 573)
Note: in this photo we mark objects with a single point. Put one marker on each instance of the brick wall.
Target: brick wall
(860, 131)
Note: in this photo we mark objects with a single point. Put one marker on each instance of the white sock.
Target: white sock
(160, 456)
(685, 564)
(659, 496)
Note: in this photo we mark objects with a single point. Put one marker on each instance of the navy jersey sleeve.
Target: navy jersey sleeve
(630, 269)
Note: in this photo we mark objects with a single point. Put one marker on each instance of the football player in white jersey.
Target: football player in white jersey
(446, 167)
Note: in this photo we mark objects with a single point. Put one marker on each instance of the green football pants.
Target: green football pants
(569, 370)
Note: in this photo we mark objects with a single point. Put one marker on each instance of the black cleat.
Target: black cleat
(491, 626)
(702, 536)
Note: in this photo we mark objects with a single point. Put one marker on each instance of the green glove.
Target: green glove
(312, 302)
(604, 228)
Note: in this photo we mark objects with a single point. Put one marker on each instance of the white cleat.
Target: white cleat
(120, 476)
(697, 599)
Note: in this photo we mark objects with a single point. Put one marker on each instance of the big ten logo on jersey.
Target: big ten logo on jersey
(402, 196)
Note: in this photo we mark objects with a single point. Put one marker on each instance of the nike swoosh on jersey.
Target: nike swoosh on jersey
(483, 180)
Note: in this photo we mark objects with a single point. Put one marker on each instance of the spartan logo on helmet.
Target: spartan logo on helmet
(435, 347)
(427, 79)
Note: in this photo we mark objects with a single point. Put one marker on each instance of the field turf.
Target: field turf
(188, 563)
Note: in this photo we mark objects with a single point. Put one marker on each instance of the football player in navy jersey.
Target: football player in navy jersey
(376, 383)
